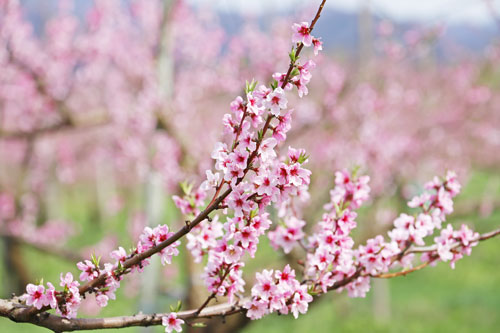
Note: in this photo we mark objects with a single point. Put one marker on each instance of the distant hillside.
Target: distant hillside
(339, 30)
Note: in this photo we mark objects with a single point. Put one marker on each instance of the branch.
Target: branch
(432, 248)
(59, 252)
(136, 259)
(16, 311)
(402, 273)
(212, 295)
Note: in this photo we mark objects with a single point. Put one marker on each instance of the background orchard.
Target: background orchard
(109, 109)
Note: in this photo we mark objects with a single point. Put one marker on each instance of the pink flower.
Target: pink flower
(265, 287)
(301, 87)
(233, 172)
(67, 281)
(238, 107)
(232, 254)
(276, 101)
(349, 190)
(305, 71)
(300, 302)
(238, 201)
(119, 255)
(298, 175)
(419, 200)
(102, 300)
(247, 141)
(287, 236)
(246, 236)
(239, 158)
(50, 296)
(444, 243)
(256, 309)
(183, 204)
(287, 276)
(220, 151)
(89, 271)
(265, 184)
(71, 295)
(266, 149)
(302, 34)
(359, 287)
(280, 77)
(212, 180)
(452, 185)
(172, 323)
(318, 45)
(425, 223)
(36, 296)
(294, 154)
(467, 236)
(169, 252)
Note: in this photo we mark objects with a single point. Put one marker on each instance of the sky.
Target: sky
(445, 11)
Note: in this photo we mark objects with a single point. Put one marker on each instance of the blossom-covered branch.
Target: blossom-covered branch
(13, 309)
(249, 174)
(249, 149)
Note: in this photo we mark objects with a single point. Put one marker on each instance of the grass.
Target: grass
(437, 299)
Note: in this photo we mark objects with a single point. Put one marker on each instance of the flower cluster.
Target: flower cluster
(302, 34)
(378, 256)
(256, 176)
(331, 256)
(287, 234)
(278, 292)
(153, 237)
(349, 190)
(435, 203)
(65, 302)
(332, 253)
(447, 248)
(190, 203)
(148, 239)
(203, 238)
(223, 274)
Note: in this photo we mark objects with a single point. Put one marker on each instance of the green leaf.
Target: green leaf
(260, 135)
(95, 260)
(355, 171)
(254, 85)
(249, 87)
(303, 158)
(120, 267)
(179, 305)
(311, 291)
(199, 325)
(293, 55)
(186, 187)
(254, 213)
(338, 210)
